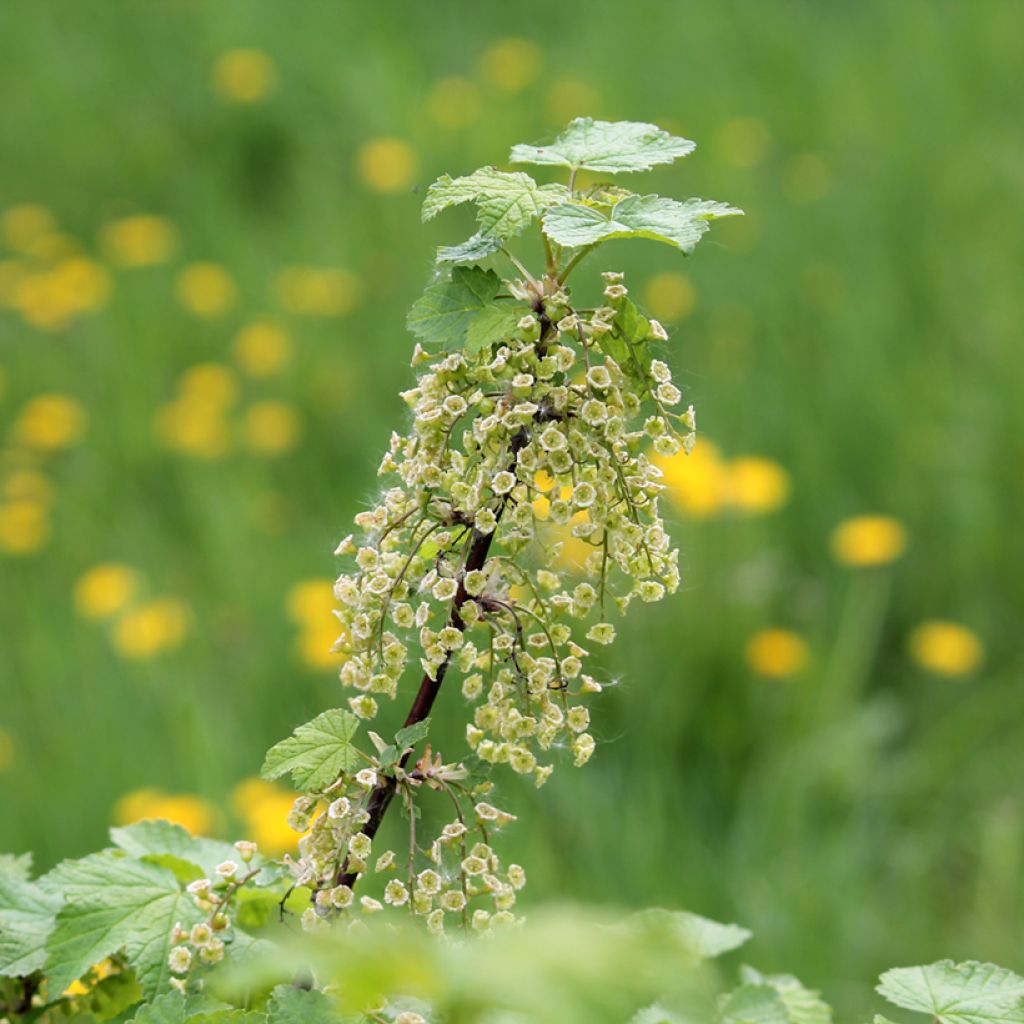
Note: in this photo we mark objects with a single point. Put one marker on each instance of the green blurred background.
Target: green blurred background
(210, 232)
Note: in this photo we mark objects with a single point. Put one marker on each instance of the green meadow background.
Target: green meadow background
(858, 803)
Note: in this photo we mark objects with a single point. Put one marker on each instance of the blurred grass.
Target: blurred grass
(858, 328)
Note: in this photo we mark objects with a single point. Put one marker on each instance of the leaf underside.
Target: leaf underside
(967, 993)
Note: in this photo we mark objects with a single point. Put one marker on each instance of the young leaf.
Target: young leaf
(291, 1005)
(696, 938)
(474, 249)
(175, 1008)
(317, 752)
(803, 1005)
(441, 315)
(658, 217)
(492, 324)
(753, 1004)
(967, 993)
(114, 902)
(610, 146)
(26, 918)
(410, 735)
(151, 840)
(506, 200)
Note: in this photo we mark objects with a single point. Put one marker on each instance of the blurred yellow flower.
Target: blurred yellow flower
(453, 102)
(244, 76)
(105, 589)
(6, 750)
(150, 629)
(27, 485)
(262, 349)
(946, 648)
(24, 527)
(387, 165)
(50, 299)
(80, 284)
(868, 541)
(511, 64)
(754, 484)
(806, 178)
(570, 97)
(317, 291)
(670, 297)
(264, 809)
(210, 383)
(271, 428)
(24, 223)
(776, 653)
(545, 484)
(695, 483)
(310, 603)
(195, 427)
(82, 986)
(193, 813)
(143, 240)
(743, 142)
(205, 289)
(50, 422)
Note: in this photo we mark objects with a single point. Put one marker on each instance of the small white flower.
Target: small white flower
(227, 869)
(180, 959)
(657, 331)
(599, 377)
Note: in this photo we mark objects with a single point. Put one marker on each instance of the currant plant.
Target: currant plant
(519, 517)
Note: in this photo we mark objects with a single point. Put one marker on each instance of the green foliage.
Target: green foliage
(445, 311)
(316, 752)
(612, 147)
(26, 917)
(967, 993)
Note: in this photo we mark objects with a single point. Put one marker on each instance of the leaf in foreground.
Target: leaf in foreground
(609, 146)
(317, 752)
(665, 220)
(441, 315)
(803, 1005)
(967, 993)
(114, 902)
(26, 918)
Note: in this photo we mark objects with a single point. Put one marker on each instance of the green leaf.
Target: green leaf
(410, 735)
(171, 846)
(506, 201)
(290, 1005)
(696, 938)
(610, 146)
(753, 1004)
(474, 249)
(26, 918)
(442, 314)
(175, 1008)
(665, 220)
(112, 996)
(967, 993)
(114, 902)
(803, 1005)
(492, 324)
(317, 752)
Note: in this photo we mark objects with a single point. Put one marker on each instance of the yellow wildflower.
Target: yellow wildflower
(511, 64)
(756, 485)
(83, 985)
(695, 482)
(193, 813)
(195, 427)
(79, 285)
(317, 291)
(387, 165)
(262, 349)
(310, 603)
(105, 589)
(139, 241)
(211, 384)
(670, 297)
(50, 422)
(946, 648)
(776, 653)
(264, 809)
(23, 224)
(868, 541)
(151, 629)
(244, 76)
(205, 289)
(454, 102)
(271, 428)
(24, 527)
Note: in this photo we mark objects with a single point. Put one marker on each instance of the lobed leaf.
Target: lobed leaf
(114, 902)
(803, 1005)
(665, 220)
(442, 314)
(753, 1004)
(153, 840)
(317, 752)
(967, 993)
(290, 1005)
(609, 146)
(27, 915)
(492, 324)
(474, 249)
